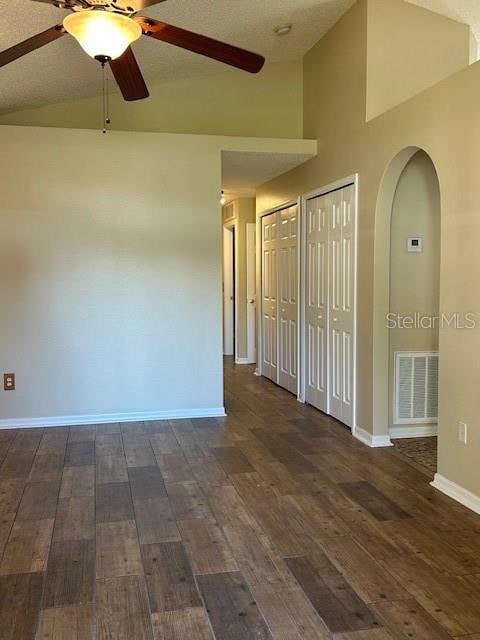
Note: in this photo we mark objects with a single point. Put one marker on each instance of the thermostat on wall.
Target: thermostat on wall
(415, 245)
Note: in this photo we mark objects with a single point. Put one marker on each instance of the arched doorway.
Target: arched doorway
(406, 283)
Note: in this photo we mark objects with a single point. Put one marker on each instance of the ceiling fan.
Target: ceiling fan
(105, 29)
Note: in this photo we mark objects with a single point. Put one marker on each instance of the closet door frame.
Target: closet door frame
(322, 191)
(284, 205)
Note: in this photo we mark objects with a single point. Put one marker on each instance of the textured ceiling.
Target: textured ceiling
(467, 11)
(243, 171)
(61, 71)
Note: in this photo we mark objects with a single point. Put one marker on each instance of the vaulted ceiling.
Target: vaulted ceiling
(466, 11)
(61, 71)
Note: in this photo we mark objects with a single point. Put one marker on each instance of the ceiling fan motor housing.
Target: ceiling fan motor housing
(116, 6)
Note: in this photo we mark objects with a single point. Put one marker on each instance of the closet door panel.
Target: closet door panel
(269, 296)
(316, 302)
(336, 304)
(348, 301)
(288, 303)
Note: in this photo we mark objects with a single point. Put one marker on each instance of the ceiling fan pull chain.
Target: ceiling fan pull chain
(106, 105)
(107, 101)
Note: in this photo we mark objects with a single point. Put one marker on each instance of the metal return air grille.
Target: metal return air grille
(416, 387)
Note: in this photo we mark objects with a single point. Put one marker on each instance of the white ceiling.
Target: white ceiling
(243, 171)
(61, 71)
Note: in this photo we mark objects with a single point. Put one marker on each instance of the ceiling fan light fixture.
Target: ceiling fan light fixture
(102, 34)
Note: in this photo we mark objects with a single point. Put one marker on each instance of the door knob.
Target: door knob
(251, 301)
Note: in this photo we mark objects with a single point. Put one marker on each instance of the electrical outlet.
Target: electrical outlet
(9, 382)
(462, 432)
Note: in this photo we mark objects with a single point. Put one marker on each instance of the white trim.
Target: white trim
(301, 297)
(371, 440)
(105, 418)
(300, 250)
(228, 273)
(458, 493)
(332, 186)
(354, 180)
(244, 361)
(251, 289)
(232, 226)
(417, 431)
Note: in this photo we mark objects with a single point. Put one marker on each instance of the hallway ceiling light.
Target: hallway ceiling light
(283, 30)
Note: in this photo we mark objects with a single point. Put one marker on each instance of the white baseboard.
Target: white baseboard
(243, 361)
(371, 440)
(105, 418)
(414, 431)
(458, 493)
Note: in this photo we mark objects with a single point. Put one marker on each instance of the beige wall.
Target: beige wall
(109, 281)
(445, 121)
(244, 209)
(415, 277)
(409, 49)
(232, 103)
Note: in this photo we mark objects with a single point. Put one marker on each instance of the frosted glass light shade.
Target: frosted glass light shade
(102, 34)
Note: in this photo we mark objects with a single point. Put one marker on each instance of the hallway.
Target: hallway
(271, 523)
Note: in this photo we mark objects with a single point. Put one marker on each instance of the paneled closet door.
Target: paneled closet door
(288, 298)
(269, 295)
(341, 304)
(316, 272)
(330, 295)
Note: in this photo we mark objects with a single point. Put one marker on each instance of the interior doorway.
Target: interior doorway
(414, 309)
(406, 348)
(229, 329)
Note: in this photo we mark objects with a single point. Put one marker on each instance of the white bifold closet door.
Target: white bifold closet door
(330, 299)
(280, 297)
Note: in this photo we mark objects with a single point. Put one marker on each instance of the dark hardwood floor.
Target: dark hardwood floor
(271, 523)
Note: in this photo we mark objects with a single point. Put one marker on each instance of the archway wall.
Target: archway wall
(444, 121)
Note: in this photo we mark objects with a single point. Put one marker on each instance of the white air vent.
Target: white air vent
(416, 387)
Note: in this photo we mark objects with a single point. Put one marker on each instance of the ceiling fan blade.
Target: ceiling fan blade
(204, 45)
(35, 42)
(129, 77)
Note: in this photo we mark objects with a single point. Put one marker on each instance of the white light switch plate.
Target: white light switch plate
(462, 432)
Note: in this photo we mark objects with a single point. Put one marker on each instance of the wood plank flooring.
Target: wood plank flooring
(270, 524)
